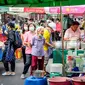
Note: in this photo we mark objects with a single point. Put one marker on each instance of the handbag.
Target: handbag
(10, 53)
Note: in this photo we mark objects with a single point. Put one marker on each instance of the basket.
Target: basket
(59, 81)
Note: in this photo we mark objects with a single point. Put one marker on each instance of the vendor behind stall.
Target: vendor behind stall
(73, 33)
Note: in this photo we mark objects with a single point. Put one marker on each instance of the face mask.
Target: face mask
(31, 28)
(25, 28)
(40, 35)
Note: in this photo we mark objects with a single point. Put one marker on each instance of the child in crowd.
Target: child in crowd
(37, 50)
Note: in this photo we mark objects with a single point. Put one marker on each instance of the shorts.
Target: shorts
(37, 63)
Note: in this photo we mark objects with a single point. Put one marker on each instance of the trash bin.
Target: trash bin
(36, 81)
(59, 81)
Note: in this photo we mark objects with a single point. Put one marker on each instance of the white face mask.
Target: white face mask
(25, 28)
(31, 28)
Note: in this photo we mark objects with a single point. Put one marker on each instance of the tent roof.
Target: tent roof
(40, 3)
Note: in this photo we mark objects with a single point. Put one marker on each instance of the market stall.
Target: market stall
(46, 3)
(57, 55)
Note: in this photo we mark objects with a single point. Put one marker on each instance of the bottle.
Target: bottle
(84, 53)
(83, 64)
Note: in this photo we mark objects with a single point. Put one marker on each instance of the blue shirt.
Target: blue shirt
(4, 28)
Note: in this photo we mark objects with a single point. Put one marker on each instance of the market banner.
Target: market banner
(34, 10)
(73, 9)
(68, 9)
(54, 10)
(4, 9)
(16, 9)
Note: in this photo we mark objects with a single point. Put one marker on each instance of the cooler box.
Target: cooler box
(57, 55)
(56, 67)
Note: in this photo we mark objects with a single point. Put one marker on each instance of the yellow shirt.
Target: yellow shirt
(46, 35)
(17, 26)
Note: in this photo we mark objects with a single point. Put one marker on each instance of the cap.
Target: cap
(52, 25)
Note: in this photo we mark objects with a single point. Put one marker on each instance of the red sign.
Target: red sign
(34, 10)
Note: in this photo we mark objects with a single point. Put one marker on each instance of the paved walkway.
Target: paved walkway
(12, 80)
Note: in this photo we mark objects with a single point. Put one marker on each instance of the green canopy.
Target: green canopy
(40, 3)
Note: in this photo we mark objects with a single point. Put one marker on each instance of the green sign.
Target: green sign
(4, 9)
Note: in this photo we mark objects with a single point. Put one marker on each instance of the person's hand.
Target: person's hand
(67, 39)
(53, 45)
(28, 45)
(5, 32)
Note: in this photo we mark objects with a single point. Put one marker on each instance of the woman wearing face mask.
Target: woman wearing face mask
(25, 29)
(27, 43)
(37, 50)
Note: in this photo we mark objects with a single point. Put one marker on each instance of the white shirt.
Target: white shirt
(70, 33)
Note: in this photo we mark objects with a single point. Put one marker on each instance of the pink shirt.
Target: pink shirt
(28, 38)
(70, 33)
(58, 27)
(23, 37)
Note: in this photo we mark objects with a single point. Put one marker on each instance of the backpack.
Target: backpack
(18, 40)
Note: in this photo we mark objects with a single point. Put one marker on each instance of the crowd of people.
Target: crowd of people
(37, 42)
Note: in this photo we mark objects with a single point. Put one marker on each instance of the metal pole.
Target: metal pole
(62, 39)
(5, 17)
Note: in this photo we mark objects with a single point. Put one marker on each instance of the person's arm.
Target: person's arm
(66, 36)
(51, 45)
(26, 38)
(66, 39)
(46, 40)
(11, 36)
(80, 35)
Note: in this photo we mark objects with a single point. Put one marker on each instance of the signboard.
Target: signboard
(73, 10)
(54, 10)
(4, 9)
(68, 9)
(34, 10)
(16, 9)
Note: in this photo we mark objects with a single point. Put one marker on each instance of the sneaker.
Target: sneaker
(6, 74)
(13, 73)
(23, 76)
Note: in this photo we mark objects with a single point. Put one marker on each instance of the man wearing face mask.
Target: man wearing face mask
(27, 43)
